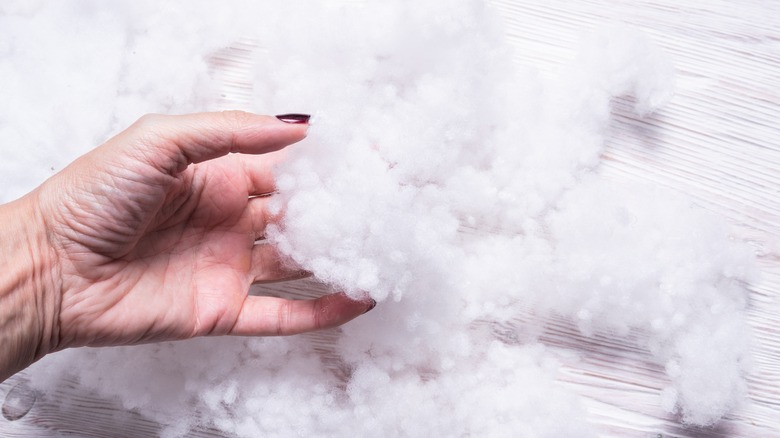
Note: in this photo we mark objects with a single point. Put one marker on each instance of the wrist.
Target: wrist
(28, 299)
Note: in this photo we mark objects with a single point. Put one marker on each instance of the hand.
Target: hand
(152, 237)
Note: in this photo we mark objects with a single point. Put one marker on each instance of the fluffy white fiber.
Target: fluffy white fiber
(453, 186)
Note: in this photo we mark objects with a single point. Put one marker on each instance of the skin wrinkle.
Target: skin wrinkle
(55, 277)
(206, 144)
(232, 327)
(169, 268)
(25, 308)
(207, 262)
(141, 205)
(40, 307)
(285, 316)
(199, 187)
(144, 152)
(75, 221)
(193, 197)
(149, 137)
(233, 148)
(12, 325)
(94, 314)
(318, 312)
(169, 220)
(86, 309)
(119, 189)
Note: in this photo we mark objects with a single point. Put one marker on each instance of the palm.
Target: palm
(182, 253)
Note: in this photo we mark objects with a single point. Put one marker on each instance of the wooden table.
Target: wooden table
(720, 145)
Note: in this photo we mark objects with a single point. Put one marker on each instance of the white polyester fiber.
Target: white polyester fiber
(457, 188)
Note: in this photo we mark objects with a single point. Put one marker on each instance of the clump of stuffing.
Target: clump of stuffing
(438, 177)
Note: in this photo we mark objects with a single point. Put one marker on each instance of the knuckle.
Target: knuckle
(148, 129)
(149, 121)
(285, 319)
(237, 119)
(319, 310)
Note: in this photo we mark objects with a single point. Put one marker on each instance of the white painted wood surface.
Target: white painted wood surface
(717, 141)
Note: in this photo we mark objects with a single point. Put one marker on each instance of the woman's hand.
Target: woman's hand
(152, 237)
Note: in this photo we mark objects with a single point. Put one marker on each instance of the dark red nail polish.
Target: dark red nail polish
(371, 305)
(294, 118)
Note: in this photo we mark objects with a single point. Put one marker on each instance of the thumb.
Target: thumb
(174, 142)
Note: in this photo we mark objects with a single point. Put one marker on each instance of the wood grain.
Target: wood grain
(718, 141)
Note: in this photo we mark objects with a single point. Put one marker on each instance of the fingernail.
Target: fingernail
(294, 118)
(371, 305)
